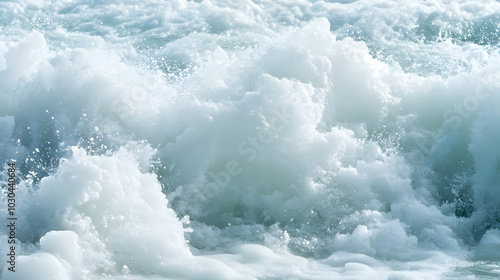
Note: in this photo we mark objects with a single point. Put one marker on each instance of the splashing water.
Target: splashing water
(251, 139)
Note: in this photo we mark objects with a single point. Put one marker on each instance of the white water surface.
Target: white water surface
(251, 139)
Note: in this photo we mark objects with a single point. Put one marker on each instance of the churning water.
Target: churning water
(251, 139)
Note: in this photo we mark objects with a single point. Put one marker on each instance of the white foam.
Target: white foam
(282, 147)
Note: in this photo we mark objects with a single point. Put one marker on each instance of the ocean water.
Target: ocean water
(251, 139)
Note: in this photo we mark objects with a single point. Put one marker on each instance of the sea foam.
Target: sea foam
(251, 140)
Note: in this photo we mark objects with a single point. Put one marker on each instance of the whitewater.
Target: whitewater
(250, 139)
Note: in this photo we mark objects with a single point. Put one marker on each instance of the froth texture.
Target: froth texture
(251, 140)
